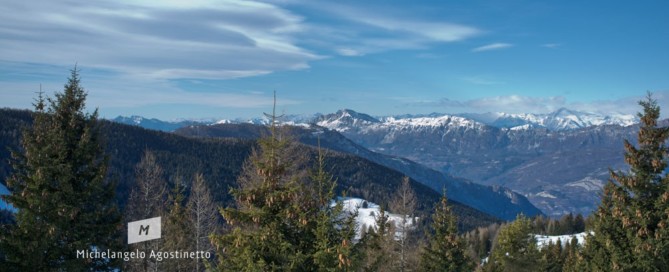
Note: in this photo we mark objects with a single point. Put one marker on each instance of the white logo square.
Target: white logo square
(144, 230)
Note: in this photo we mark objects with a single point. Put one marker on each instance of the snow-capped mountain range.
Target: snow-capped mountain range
(562, 119)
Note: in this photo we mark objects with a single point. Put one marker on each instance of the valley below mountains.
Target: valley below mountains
(495, 200)
(558, 161)
(560, 169)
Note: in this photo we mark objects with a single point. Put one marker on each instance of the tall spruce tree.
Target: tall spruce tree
(630, 225)
(270, 230)
(59, 187)
(445, 250)
(335, 228)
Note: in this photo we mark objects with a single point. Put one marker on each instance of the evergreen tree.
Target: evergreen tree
(377, 244)
(59, 187)
(573, 261)
(269, 228)
(579, 223)
(335, 228)
(630, 225)
(516, 248)
(552, 257)
(445, 250)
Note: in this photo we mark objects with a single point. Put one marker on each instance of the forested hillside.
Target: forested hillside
(221, 160)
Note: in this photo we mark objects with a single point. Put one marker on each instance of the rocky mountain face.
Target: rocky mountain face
(560, 170)
(495, 200)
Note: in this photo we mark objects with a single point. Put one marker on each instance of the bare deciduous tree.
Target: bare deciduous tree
(203, 215)
(404, 203)
(147, 200)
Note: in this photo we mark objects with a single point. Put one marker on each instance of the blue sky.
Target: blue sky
(223, 59)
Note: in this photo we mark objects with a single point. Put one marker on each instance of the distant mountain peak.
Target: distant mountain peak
(348, 113)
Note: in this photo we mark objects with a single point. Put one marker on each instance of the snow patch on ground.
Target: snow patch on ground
(544, 240)
(545, 194)
(367, 213)
(588, 183)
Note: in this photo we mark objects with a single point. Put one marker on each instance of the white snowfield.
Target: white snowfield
(367, 213)
(544, 240)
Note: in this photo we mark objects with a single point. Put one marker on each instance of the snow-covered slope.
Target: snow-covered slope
(367, 213)
(544, 240)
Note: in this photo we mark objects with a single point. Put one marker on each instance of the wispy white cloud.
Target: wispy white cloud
(510, 104)
(518, 103)
(492, 46)
(203, 38)
(624, 105)
(349, 52)
(162, 39)
(133, 52)
(442, 32)
(384, 29)
(531, 104)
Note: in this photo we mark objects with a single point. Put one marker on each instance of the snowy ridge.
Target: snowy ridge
(345, 120)
(562, 119)
(444, 120)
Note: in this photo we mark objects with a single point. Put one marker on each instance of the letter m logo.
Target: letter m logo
(144, 230)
